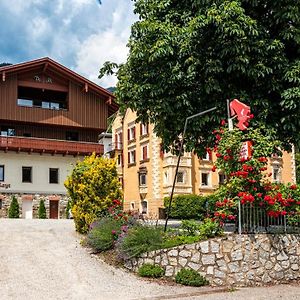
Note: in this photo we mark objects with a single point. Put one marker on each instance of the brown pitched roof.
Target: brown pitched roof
(46, 62)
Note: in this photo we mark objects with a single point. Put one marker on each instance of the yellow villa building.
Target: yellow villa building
(147, 173)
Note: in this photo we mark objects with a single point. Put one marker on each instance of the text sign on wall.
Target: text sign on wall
(4, 185)
(246, 150)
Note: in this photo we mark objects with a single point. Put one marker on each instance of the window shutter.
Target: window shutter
(128, 134)
(120, 140)
(122, 159)
(133, 156)
(141, 129)
(133, 132)
(144, 152)
(147, 128)
(210, 155)
(129, 158)
(161, 151)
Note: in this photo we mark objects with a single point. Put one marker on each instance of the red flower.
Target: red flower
(214, 168)
(293, 187)
(218, 155)
(262, 159)
(223, 122)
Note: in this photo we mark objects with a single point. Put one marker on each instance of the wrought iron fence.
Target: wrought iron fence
(255, 219)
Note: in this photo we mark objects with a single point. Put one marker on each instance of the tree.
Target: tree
(188, 56)
(42, 210)
(13, 211)
(4, 64)
(297, 158)
(92, 187)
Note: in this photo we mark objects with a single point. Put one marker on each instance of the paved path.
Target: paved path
(42, 259)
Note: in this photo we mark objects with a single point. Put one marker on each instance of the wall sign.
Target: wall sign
(246, 150)
(4, 185)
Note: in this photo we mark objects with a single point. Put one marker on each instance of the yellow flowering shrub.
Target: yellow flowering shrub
(92, 186)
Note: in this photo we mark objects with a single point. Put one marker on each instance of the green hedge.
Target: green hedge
(191, 206)
(187, 207)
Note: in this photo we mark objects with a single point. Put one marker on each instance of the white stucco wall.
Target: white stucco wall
(40, 164)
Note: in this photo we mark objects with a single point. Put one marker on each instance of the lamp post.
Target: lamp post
(178, 161)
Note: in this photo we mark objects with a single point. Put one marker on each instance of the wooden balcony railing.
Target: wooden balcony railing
(40, 145)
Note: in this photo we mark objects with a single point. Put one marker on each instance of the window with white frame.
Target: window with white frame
(206, 157)
(120, 159)
(222, 178)
(276, 173)
(142, 179)
(131, 133)
(166, 177)
(144, 152)
(180, 177)
(205, 179)
(118, 140)
(144, 129)
(1, 172)
(144, 207)
(131, 156)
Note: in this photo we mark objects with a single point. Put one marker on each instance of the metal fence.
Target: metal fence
(254, 219)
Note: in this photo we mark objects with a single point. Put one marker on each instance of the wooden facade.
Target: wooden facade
(78, 111)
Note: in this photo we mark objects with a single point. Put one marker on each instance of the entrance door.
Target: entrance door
(53, 209)
(27, 209)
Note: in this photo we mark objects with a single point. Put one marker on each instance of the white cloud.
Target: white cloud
(106, 45)
(81, 34)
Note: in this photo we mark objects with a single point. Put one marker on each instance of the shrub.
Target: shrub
(208, 229)
(190, 277)
(153, 271)
(187, 207)
(13, 211)
(190, 227)
(140, 239)
(68, 208)
(42, 210)
(92, 187)
(103, 234)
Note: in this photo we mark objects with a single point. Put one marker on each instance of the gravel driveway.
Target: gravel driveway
(42, 259)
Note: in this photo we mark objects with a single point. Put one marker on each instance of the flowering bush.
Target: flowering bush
(92, 187)
(247, 180)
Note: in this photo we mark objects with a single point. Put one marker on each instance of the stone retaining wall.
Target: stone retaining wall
(6, 200)
(234, 260)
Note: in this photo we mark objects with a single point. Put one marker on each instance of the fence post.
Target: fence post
(240, 217)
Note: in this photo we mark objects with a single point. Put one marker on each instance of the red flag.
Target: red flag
(242, 111)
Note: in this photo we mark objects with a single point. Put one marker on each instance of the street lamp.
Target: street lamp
(179, 156)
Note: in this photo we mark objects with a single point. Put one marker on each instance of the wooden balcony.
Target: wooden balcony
(39, 145)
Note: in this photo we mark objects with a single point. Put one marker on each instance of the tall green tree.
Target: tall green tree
(14, 209)
(42, 210)
(187, 56)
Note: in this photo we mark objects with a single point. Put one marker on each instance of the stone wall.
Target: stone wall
(234, 260)
(6, 200)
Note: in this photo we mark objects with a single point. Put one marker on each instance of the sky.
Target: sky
(80, 34)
